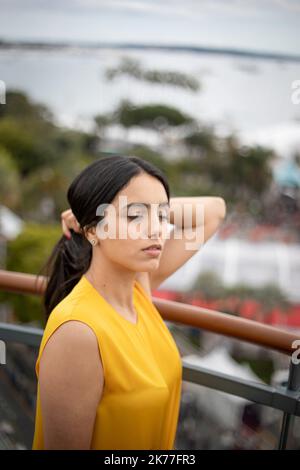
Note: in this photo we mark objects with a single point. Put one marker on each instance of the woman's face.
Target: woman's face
(137, 218)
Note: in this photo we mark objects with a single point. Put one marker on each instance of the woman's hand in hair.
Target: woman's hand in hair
(69, 221)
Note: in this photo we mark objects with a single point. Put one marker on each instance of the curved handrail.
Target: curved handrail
(178, 312)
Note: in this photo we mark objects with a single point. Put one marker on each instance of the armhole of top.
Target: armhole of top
(56, 328)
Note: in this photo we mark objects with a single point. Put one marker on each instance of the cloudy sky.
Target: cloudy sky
(264, 25)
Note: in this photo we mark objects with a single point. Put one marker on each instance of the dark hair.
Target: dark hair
(97, 184)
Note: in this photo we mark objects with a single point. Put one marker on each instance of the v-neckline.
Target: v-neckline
(138, 320)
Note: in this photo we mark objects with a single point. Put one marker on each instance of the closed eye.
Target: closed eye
(162, 216)
(134, 216)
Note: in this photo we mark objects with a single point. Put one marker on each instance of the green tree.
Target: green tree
(28, 254)
(18, 106)
(27, 149)
(9, 180)
(29, 134)
(152, 116)
(132, 68)
(47, 188)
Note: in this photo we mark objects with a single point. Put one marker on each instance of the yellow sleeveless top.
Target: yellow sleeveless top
(139, 407)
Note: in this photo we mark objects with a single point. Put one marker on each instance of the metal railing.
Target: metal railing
(285, 399)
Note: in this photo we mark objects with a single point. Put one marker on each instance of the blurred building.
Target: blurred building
(236, 260)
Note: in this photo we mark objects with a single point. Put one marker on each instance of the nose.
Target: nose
(155, 225)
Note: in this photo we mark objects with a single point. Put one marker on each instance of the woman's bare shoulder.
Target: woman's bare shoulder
(71, 385)
(72, 341)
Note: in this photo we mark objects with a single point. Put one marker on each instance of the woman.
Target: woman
(109, 371)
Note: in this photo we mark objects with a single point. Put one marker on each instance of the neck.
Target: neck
(112, 282)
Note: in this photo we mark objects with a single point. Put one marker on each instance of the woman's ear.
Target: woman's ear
(91, 236)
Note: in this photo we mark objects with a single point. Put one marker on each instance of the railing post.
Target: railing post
(288, 419)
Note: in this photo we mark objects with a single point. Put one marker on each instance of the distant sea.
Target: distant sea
(246, 95)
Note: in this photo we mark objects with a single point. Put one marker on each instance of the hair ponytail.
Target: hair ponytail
(68, 261)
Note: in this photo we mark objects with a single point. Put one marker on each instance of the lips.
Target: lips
(157, 246)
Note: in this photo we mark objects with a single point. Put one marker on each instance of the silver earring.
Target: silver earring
(93, 242)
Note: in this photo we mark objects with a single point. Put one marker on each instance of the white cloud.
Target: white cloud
(188, 8)
(292, 5)
(271, 25)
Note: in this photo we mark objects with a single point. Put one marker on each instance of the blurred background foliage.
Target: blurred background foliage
(28, 253)
(39, 159)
